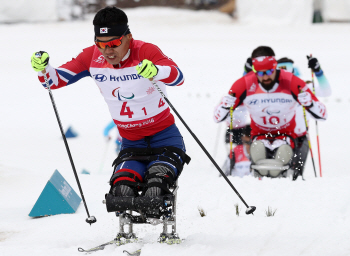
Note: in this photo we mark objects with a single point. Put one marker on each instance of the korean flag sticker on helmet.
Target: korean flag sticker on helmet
(103, 30)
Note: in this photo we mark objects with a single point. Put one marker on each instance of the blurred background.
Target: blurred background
(248, 11)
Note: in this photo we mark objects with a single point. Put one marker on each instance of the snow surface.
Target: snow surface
(312, 216)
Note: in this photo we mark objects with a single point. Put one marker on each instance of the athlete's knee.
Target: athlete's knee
(257, 151)
(159, 178)
(125, 182)
(284, 153)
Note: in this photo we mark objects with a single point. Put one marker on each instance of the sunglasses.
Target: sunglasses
(267, 72)
(113, 43)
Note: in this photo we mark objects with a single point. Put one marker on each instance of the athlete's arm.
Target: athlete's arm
(70, 72)
(168, 72)
(322, 89)
(317, 109)
(238, 90)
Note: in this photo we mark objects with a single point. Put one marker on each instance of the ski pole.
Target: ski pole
(318, 149)
(90, 219)
(317, 135)
(231, 139)
(231, 136)
(308, 139)
(250, 209)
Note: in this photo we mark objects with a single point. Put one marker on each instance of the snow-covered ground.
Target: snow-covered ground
(312, 216)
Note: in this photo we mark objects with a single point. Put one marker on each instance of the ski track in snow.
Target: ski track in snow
(312, 216)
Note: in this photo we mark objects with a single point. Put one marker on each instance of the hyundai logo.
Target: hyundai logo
(253, 102)
(100, 78)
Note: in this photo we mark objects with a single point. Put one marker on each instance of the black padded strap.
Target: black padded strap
(167, 154)
(153, 151)
(169, 176)
(123, 174)
(165, 177)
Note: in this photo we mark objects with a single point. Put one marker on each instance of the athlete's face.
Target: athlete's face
(267, 80)
(115, 55)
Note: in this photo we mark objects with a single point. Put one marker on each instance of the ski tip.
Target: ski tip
(250, 210)
(135, 253)
(81, 249)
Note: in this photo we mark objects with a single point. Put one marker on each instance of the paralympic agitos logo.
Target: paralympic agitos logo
(271, 111)
(118, 95)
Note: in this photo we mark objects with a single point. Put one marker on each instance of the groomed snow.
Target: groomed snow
(312, 216)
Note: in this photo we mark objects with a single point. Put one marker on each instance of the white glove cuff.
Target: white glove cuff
(219, 114)
(163, 72)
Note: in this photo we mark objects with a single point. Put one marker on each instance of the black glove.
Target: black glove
(313, 64)
(248, 65)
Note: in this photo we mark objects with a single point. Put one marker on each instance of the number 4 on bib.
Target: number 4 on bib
(128, 112)
(161, 103)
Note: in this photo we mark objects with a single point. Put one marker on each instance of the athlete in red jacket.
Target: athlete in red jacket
(121, 68)
(271, 97)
